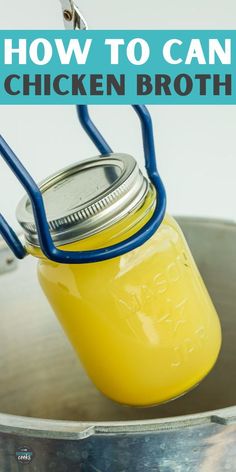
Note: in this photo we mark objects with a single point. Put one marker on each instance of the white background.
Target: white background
(196, 145)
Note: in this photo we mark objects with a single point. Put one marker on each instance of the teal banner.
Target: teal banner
(118, 67)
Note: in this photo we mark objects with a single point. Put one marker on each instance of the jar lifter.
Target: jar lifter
(74, 20)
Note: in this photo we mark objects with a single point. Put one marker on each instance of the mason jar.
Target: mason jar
(142, 323)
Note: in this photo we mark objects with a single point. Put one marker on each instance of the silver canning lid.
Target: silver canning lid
(87, 197)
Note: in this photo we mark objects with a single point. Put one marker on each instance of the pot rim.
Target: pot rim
(62, 429)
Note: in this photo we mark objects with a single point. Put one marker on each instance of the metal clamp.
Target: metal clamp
(46, 243)
(73, 18)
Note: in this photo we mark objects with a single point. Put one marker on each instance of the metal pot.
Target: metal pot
(40, 377)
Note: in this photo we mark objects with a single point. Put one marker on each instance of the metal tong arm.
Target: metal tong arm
(46, 243)
(73, 18)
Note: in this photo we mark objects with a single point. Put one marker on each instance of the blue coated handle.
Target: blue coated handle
(35, 196)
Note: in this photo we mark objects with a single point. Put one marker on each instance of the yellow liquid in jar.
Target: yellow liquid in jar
(142, 324)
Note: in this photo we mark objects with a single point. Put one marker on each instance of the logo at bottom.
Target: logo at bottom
(24, 455)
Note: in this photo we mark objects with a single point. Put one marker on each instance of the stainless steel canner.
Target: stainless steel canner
(54, 420)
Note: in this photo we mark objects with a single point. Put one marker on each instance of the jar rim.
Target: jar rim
(85, 198)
